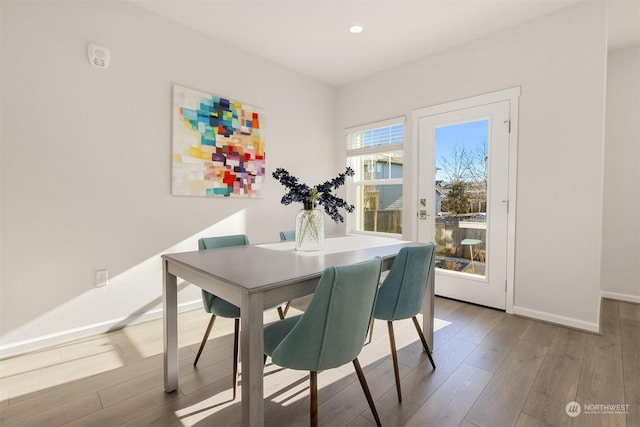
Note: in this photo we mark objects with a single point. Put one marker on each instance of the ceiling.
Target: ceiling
(313, 38)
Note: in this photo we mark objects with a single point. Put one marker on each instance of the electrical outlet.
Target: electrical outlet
(102, 278)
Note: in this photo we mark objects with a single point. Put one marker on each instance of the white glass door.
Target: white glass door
(463, 173)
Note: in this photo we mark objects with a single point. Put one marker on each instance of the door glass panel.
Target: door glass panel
(461, 197)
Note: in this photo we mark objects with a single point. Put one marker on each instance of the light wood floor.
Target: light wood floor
(493, 369)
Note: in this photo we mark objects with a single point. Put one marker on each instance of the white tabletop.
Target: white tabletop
(336, 244)
(277, 264)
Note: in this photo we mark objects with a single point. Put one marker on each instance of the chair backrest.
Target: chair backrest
(332, 330)
(287, 235)
(222, 241)
(402, 291)
(218, 242)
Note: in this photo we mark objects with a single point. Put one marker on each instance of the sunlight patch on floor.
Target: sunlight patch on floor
(439, 324)
(196, 413)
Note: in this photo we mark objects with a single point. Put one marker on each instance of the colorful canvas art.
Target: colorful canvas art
(218, 146)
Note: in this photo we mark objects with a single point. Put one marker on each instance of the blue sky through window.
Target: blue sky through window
(470, 135)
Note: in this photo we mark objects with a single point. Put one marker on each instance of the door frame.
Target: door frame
(512, 95)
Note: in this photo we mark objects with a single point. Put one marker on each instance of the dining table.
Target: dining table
(255, 277)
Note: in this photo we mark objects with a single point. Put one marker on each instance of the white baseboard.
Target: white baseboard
(44, 341)
(621, 297)
(554, 318)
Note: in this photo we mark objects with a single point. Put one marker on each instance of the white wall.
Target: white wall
(86, 160)
(621, 226)
(559, 63)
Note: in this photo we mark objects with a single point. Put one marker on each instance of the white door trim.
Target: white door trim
(512, 95)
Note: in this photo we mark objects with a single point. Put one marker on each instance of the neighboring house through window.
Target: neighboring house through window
(375, 153)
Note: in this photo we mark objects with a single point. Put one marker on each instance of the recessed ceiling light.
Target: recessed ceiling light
(356, 28)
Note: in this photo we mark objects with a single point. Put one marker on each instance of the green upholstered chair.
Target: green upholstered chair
(332, 330)
(220, 307)
(401, 293)
(289, 235)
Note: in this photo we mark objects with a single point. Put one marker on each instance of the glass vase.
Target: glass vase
(309, 229)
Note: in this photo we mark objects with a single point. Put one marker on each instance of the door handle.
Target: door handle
(422, 213)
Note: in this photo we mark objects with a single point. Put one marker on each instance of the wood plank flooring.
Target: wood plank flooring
(493, 369)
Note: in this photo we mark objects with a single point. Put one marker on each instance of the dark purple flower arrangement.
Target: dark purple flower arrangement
(312, 196)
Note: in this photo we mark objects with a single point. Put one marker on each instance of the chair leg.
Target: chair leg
(371, 330)
(236, 330)
(365, 388)
(280, 313)
(205, 338)
(424, 341)
(286, 308)
(394, 355)
(313, 405)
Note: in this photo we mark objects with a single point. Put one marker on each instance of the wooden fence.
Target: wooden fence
(388, 221)
(452, 230)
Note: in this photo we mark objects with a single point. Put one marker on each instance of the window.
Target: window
(375, 153)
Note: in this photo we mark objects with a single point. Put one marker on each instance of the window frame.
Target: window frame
(353, 186)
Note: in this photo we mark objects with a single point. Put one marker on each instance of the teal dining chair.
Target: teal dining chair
(400, 296)
(220, 307)
(332, 331)
(289, 235)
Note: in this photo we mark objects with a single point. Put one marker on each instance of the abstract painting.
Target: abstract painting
(218, 146)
